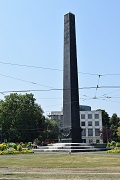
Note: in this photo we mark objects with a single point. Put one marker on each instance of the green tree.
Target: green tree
(105, 118)
(22, 118)
(52, 130)
(114, 124)
(105, 126)
(118, 133)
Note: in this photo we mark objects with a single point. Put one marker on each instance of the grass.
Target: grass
(61, 166)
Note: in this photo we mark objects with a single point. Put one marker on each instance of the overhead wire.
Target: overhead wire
(92, 98)
(29, 66)
(24, 80)
(54, 69)
(57, 89)
(109, 100)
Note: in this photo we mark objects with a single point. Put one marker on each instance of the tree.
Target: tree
(114, 124)
(118, 133)
(105, 118)
(22, 119)
(52, 130)
(105, 126)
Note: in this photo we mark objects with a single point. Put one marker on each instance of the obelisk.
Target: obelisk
(71, 131)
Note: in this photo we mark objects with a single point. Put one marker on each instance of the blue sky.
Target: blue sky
(31, 33)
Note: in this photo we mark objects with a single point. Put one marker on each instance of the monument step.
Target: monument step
(69, 150)
(69, 144)
(69, 147)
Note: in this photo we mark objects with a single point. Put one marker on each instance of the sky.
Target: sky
(31, 51)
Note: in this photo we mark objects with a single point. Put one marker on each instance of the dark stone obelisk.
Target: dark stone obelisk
(71, 119)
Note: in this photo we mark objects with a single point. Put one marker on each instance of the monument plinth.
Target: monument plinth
(71, 131)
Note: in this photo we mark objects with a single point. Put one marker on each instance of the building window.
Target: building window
(97, 141)
(90, 141)
(82, 116)
(96, 116)
(84, 132)
(59, 117)
(54, 117)
(90, 132)
(89, 123)
(97, 132)
(89, 116)
(61, 124)
(83, 123)
(96, 123)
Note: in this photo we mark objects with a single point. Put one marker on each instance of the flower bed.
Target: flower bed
(115, 150)
(12, 148)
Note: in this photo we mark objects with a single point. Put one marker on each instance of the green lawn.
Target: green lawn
(61, 166)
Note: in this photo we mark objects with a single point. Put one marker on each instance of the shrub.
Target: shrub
(23, 145)
(29, 145)
(9, 151)
(26, 150)
(13, 151)
(12, 145)
(10, 148)
(108, 144)
(115, 150)
(3, 146)
(19, 147)
(117, 144)
(113, 143)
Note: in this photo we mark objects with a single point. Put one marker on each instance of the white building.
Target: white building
(90, 122)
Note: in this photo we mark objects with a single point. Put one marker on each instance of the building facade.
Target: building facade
(90, 122)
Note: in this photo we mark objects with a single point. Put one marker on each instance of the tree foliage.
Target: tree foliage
(114, 124)
(110, 127)
(105, 126)
(52, 130)
(105, 118)
(118, 133)
(22, 119)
